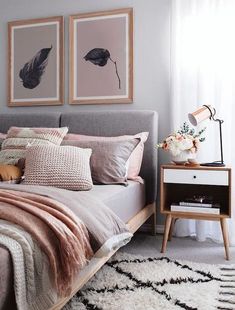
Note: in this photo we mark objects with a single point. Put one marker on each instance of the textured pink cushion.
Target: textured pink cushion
(59, 166)
(136, 157)
(19, 138)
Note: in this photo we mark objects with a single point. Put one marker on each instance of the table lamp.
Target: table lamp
(203, 113)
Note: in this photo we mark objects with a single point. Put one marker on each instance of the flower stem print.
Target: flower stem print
(33, 70)
(100, 57)
(119, 80)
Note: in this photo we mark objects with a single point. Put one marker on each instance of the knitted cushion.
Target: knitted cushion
(17, 140)
(59, 166)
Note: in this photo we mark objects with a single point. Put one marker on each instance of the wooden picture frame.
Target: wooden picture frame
(101, 57)
(36, 62)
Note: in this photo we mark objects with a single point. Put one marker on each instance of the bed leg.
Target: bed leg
(154, 221)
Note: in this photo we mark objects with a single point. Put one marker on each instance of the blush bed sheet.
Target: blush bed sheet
(124, 201)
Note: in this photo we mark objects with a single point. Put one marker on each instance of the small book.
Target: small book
(196, 204)
(179, 208)
(199, 199)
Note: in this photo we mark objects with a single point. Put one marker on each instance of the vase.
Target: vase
(183, 157)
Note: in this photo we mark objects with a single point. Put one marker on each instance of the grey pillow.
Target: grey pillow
(109, 159)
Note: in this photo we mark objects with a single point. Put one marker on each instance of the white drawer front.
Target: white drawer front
(207, 177)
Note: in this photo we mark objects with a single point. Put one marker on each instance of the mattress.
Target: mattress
(124, 201)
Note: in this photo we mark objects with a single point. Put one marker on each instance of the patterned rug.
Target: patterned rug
(130, 282)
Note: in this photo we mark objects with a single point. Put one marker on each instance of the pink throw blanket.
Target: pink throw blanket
(59, 233)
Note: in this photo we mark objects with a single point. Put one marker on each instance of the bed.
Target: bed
(134, 204)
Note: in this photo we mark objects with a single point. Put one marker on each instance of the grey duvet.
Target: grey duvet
(105, 229)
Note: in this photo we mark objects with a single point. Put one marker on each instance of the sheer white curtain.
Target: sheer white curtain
(203, 72)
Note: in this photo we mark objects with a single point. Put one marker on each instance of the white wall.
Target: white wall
(151, 51)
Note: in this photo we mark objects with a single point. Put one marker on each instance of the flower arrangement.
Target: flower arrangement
(185, 139)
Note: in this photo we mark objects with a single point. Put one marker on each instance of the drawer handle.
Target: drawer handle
(194, 176)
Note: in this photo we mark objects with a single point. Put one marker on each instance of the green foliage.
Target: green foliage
(200, 133)
(186, 130)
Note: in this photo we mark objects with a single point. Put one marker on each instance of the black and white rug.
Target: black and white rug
(130, 282)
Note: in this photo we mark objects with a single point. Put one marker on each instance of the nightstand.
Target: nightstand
(179, 182)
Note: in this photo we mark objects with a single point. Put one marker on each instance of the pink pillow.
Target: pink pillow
(19, 138)
(135, 160)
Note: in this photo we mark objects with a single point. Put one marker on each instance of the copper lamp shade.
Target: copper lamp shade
(200, 115)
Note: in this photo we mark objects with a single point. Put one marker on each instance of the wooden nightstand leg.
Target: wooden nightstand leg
(172, 228)
(166, 232)
(225, 237)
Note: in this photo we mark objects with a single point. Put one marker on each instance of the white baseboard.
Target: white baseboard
(148, 227)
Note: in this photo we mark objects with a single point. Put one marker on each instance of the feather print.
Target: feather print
(100, 57)
(33, 70)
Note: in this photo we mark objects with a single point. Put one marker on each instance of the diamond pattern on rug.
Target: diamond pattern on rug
(130, 282)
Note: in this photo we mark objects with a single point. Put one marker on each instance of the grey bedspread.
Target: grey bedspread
(106, 230)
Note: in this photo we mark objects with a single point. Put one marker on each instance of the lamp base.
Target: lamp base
(213, 164)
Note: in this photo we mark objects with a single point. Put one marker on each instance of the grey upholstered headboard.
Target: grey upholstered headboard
(115, 123)
(107, 123)
(29, 120)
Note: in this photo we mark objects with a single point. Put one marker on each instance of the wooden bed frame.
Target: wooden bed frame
(93, 123)
(96, 263)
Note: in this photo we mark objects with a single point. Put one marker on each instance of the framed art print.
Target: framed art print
(36, 62)
(101, 57)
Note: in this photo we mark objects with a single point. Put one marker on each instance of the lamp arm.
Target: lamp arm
(220, 121)
(213, 114)
(221, 138)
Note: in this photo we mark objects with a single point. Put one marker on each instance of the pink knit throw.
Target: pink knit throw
(59, 233)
